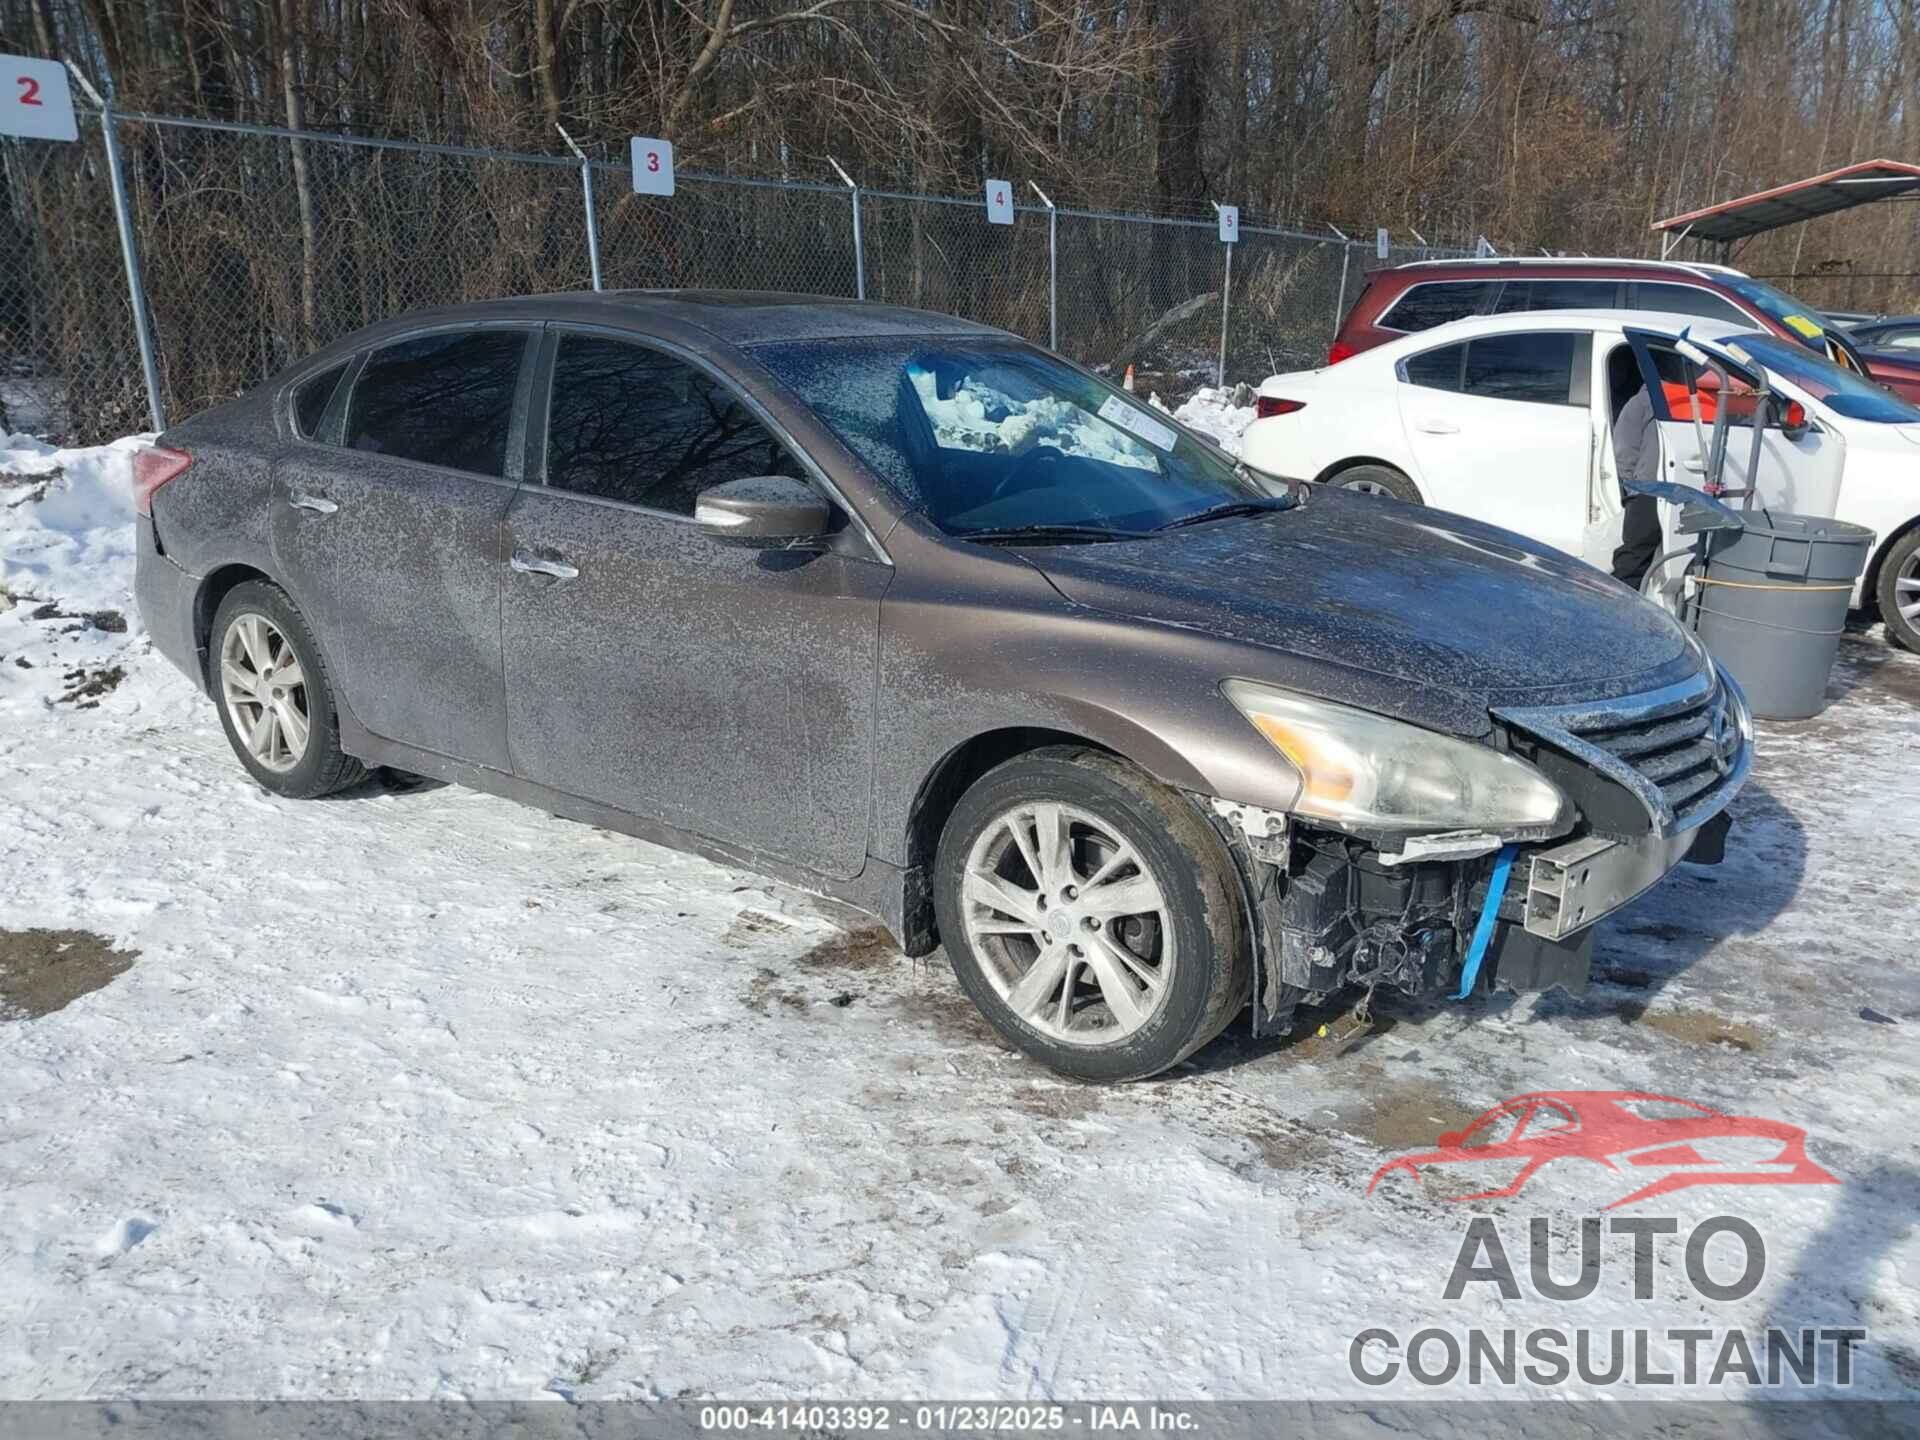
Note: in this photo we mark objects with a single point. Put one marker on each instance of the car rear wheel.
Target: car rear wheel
(1378, 480)
(1091, 915)
(276, 704)
(1899, 588)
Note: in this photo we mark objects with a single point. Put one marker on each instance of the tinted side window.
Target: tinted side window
(1436, 302)
(1437, 369)
(310, 400)
(446, 399)
(1686, 300)
(632, 424)
(1534, 366)
(1519, 295)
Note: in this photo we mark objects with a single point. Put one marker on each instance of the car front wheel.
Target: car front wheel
(275, 701)
(1378, 480)
(1899, 588)
(1092, 915)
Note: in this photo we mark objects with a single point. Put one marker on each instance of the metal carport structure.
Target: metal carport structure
(1863, 183)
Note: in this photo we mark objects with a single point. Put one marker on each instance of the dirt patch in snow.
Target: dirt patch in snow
(750, 925)
(1697, 1027)
(85, 687)
(1408, 1115)
(42, 971)
(867, 948)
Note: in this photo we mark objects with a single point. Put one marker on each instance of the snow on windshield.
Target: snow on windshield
(979, 416)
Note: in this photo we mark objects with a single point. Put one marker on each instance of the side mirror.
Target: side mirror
(765, 512)
(1793, 418)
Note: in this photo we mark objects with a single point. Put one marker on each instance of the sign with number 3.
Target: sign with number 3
(34, 100)
(652, 166)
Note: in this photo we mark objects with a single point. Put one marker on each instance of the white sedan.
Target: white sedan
(1508, 419)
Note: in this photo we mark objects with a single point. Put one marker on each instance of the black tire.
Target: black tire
(1901, 631)
(1381, 477)
(1212, 974)
(324, 768)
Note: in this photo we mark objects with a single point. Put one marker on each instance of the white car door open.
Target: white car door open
(1799, 475)
(1500, 429)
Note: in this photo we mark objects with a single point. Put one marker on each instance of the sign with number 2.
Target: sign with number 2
(652, 166)
(35, 103)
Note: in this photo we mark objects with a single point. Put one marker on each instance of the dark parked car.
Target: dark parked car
(1409, 298)
(906, 611)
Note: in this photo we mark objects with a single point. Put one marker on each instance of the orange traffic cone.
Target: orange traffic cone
(1127, 384)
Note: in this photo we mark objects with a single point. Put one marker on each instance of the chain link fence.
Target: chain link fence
(258, 245)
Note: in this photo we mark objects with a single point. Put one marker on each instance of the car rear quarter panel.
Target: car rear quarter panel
(219, 511)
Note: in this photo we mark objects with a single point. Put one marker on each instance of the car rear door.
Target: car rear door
(719, 690)
(387, 532)
(1500, 429)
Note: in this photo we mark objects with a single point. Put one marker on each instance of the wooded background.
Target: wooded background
(1570, 124)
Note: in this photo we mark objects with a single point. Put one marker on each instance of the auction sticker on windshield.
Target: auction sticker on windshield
(1137, 422)
(1802, 324)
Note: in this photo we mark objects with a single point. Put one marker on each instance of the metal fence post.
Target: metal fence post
(586, 190)
(1340, 295)
(859, 246)
(129, 252)
(1053, 268)
(1226, 300)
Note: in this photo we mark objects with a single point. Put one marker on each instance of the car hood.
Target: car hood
(1363, 583)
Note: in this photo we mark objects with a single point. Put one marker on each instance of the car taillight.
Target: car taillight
(1339, 351)
(1265, 406)
(152, 468)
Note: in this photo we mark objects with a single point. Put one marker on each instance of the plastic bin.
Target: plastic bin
(1773, 603)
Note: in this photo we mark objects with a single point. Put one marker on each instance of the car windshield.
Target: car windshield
(1796, 315)
(996, 438)
(1841, 391)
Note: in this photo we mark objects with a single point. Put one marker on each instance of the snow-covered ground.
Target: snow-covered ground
(417, 1093)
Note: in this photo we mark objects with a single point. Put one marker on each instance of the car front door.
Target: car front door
(1500, 429)
(1799, 475)
(719, 690)
(387, 530)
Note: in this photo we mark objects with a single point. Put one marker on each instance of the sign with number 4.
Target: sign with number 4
(35, 103)
(652, 166)
(999, 202)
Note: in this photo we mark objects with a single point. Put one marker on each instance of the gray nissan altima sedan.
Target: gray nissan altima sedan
(904, 610)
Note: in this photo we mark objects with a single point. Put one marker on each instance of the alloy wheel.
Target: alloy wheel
(1071, 926)
(265, 692)
(1906, 590)
(1367, 487)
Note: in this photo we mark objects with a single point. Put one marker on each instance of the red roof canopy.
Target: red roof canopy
(1840, 189)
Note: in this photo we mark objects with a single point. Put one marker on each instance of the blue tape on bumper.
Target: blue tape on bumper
(1489, 916)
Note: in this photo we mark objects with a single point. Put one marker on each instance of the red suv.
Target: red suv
(1407, 298)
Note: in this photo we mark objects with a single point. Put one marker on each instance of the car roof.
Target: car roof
(1508, 264)
(1610, 322)
(733, 317)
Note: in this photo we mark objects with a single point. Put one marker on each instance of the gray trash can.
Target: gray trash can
(1773, 603)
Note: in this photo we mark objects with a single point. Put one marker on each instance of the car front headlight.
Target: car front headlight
(1364, 770)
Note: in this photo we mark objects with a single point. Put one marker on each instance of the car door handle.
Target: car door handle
(1695, 464)
(1437, 427)
(314, 504)
(533, 565)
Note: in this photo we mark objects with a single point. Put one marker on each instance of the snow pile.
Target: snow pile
(66, 569)
(978, 416)
(1216, 413)
(66, 518)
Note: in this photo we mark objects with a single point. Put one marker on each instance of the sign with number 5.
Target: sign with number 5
(652, 166)
(34, 100)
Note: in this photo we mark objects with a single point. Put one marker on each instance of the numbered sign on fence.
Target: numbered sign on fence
(999, 202)
(652, 166)
(1382, 244)
(1229, 224)
(34, 100)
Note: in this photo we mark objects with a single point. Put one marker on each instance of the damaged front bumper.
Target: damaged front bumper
(1426, 916)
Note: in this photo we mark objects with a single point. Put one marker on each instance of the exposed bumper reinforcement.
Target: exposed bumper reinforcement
(1571, 886)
